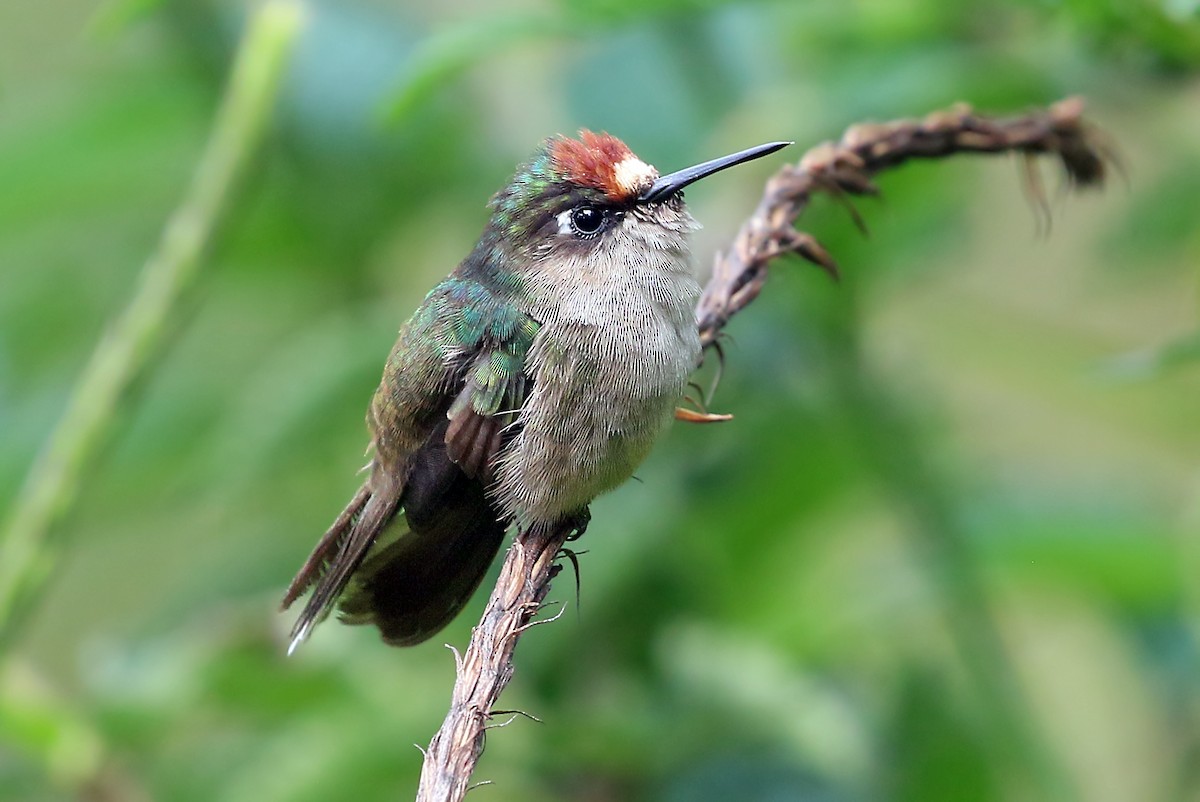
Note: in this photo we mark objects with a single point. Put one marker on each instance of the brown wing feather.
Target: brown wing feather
(474, 438)
(472, 441)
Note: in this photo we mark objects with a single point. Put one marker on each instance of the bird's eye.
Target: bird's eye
(587, 220)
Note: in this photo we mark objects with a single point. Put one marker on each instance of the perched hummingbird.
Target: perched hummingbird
(531, 380)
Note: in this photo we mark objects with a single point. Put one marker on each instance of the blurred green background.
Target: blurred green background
(946, 550)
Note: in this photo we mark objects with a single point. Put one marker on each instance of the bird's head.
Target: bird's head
(578, 197)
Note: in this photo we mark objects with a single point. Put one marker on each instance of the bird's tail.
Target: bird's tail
(338, 555)
(408, 582)
(412, 587)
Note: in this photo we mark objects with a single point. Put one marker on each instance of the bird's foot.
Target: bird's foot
(578, 522)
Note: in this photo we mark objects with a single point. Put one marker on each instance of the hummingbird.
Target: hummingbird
(532, 379)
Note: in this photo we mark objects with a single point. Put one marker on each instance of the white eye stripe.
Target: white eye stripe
(564, 222)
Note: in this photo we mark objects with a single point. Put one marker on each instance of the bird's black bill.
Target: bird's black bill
(668, 185)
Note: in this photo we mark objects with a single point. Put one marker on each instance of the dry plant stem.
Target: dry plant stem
(845, 168)
(842, 168)
(487, 665)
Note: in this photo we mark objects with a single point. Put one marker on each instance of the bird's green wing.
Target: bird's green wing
(451, 390)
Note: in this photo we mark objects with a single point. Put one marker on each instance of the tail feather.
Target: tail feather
(339, 554)
(414, 586)
(411, 587)
(326, 549)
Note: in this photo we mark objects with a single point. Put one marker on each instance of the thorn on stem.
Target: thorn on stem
(531, 623)
(458, 659)
(516, 713)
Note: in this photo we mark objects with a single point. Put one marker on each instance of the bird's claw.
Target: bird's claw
(578, 522)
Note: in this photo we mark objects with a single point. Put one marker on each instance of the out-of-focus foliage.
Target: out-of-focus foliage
(761, 616)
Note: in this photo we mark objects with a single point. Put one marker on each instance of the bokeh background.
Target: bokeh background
(947, 549)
